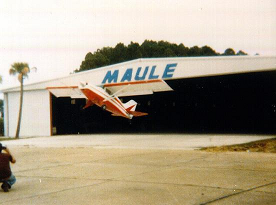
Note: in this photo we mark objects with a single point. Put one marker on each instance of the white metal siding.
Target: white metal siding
(186, 68)
(35, 115)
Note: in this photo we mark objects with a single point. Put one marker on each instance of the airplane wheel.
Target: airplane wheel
(104, 107)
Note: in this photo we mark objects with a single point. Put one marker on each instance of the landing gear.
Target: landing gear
(103, 107)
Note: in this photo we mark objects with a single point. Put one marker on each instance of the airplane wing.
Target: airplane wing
(137, 88)
(116, 89)
(67, 91)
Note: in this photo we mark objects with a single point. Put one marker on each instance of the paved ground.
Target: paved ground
(59, 173)
(135, 141)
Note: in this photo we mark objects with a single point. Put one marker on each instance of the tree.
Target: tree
(207, 51)
(148, 49)
(229, 52)
(241, 53)
(169, 53)
(133, 51)
(100, 60)
(21, 70)
(181, 50)
(119, 53)
(194, 51)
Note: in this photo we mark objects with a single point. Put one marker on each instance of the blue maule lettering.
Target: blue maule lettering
(137, 77)
(168, 72)
(111, 77)
(127, 76)
(152, 76)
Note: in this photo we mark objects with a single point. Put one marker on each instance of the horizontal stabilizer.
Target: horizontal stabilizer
(137, 114)
(116, 115)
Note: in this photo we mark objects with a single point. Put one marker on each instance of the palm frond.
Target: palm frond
(22, 69)
(12, 71)
(25, 71)
(19, 67)
(34, 69)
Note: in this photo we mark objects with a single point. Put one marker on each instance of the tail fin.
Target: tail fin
(130, 107)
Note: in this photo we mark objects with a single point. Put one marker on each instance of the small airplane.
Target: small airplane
(100, 97)
(107, 96)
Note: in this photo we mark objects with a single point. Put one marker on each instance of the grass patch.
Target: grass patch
(268, 146)
(6, 139)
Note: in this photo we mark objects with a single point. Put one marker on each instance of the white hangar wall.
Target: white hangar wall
(35, 114)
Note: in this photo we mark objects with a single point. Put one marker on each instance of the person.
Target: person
(6, 176)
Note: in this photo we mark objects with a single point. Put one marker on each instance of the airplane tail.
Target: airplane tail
(130, 107)
(88, 104)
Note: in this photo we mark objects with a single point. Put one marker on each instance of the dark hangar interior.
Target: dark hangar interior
(239, 103)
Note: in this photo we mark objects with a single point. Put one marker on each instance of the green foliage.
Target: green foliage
(134, 51)
(148, 49)
(229, 52)
(194, 51)
(20, 68)
(241, 53)
(94, 60)
(207, 51)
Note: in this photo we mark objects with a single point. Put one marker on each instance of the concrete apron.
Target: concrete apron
(68, 174)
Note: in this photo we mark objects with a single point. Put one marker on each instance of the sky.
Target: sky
(55, 35)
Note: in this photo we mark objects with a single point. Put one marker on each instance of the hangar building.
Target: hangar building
(233, 94)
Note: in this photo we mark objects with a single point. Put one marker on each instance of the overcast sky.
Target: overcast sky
(55, 35)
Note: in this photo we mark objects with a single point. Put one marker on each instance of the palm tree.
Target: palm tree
(21, 70)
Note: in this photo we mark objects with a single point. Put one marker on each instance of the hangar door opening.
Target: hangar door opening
(69, 117)
(240, 103)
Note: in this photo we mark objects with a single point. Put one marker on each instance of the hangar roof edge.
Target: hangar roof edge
(16, 88)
